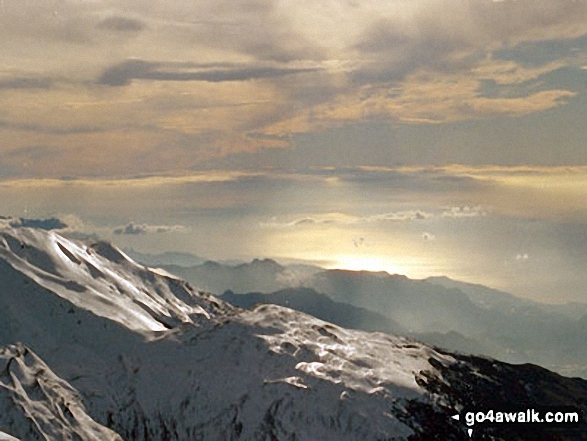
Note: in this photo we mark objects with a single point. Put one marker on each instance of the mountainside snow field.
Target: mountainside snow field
(96, 346)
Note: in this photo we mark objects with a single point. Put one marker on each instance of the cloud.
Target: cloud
(258, 29)
(311, 221)
(26, 83)
(324, 65)
(52, 223)
(344, 219)
(407, 178)
(138, 182)
(121, 24)
(358, 242)
(68, 225)
(74, 222)
(460, 212)
(541, 52)
(333, 218)
(464, 212)
(452, 35)
(428, 236)
(122, 74)
(426, 62)
(397, 51)
(140, 229)
(37, 128)
(428, 97)
(400, 216)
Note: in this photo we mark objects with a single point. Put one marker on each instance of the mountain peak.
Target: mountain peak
(101, 278)
(110, 252)
(269, 264)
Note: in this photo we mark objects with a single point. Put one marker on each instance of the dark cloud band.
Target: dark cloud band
(123, 73)
(140, 229)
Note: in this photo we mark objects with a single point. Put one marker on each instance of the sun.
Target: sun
(367, 263)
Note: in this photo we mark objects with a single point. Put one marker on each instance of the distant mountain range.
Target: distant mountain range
(260, 275)
(94, 346)
(321, 306)
(454, 315)
(511, 329)
(166, 258)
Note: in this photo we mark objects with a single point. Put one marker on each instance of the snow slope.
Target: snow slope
(150, 356)
(100, 278)
(6, 437)
(146, 356)
(38, 405)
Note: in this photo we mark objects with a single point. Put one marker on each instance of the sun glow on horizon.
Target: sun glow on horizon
(367, 263)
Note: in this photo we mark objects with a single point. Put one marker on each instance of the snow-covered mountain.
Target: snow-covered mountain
(95, 346)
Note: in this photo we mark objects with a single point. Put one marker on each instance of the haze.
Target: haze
(422, 137)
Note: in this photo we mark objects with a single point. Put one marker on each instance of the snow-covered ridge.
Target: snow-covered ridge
(39, 405)
(101, 278)
(386, 364)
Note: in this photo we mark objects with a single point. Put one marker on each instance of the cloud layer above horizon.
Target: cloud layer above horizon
(111, 88)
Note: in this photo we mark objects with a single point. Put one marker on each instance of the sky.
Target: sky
(421, 137)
